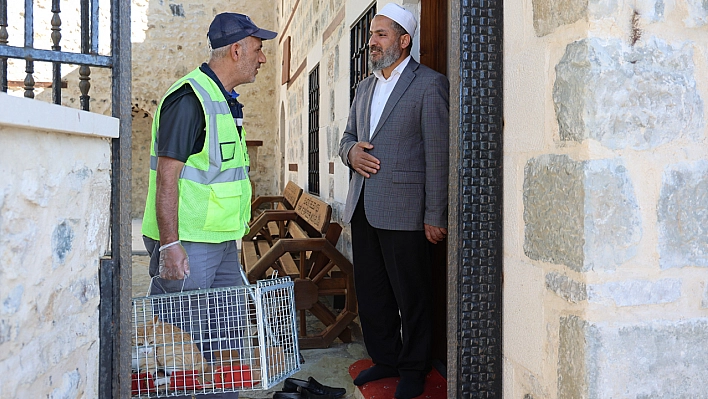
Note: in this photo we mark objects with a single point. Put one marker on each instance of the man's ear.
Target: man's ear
(405, 40)
(235, 50)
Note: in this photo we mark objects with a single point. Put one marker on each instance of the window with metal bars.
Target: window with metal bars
(360, 50)
(313, 143)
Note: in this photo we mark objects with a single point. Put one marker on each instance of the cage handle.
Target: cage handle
(147, 294)
(243, 277)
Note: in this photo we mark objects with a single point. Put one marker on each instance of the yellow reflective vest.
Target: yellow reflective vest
(214, 189)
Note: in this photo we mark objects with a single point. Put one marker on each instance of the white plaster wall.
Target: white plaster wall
(54, 215)
(530, 327)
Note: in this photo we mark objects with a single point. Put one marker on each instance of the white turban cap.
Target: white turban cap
(399, 14)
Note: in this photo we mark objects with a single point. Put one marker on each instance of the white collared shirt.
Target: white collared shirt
(383, 90)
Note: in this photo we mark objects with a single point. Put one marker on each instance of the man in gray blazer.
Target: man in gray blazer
(396, 144)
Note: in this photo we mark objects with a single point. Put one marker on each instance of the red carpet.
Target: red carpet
(435, 384)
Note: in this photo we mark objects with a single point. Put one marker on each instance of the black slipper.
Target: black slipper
(311, 385)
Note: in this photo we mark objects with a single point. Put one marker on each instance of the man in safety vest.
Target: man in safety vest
(199, 193)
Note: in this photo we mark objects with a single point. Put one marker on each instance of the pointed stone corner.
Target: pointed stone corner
(626, 96)
(572, 207)
(682, 215)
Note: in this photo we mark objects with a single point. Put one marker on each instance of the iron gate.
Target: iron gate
(115, 268)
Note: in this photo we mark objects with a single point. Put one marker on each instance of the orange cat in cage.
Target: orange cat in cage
(163, 346)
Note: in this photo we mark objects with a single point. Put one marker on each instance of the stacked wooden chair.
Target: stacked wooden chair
(301, 243)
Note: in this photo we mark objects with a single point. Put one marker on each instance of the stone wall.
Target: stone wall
(54, 215)
(605, 199)
(318, 37)
(308, 49)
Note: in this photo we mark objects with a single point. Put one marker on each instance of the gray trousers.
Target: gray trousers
(210, 266)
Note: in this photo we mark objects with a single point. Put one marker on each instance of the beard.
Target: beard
(387, 58)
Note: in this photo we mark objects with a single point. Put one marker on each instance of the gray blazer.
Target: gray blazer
(411, 141)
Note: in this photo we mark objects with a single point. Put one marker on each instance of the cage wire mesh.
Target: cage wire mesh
(217, 340)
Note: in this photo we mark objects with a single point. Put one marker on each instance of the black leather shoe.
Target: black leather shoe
(312, 387)
(303, 394)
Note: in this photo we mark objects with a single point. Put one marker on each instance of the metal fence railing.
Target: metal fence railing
(313, 142)
(87, 58)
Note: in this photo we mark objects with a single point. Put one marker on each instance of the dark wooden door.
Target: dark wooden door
(433, 34)
(434, 54)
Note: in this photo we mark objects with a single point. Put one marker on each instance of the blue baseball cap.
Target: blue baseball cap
(229, 27)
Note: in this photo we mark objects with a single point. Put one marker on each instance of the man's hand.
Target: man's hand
(174, 263)
(361, 161)
(435, 234)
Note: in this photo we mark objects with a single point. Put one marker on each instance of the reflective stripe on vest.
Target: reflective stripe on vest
(214, 174)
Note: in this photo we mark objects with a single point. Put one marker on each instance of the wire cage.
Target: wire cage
(217, 340)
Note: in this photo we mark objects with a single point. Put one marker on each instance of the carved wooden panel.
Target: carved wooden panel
(314, 211)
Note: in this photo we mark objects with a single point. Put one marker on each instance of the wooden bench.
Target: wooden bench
(287, 201)
(307, 253)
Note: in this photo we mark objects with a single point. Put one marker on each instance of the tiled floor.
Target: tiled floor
(328, 366)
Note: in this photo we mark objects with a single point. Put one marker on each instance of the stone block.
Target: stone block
(683, 215)
(598, 9)
(69, 387)
(648, 11)
(635, 292)
(550, 14)
(11, 304)
(613, 225)
(572, 364)
(626, 96)
(566, 288)
(553, 210)
(62, 240)
(582, 214)
(654, 359)
(653, 10)
(704, 302)
(6, 331)
(697, 13)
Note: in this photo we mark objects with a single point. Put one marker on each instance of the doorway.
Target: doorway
(434, 54)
